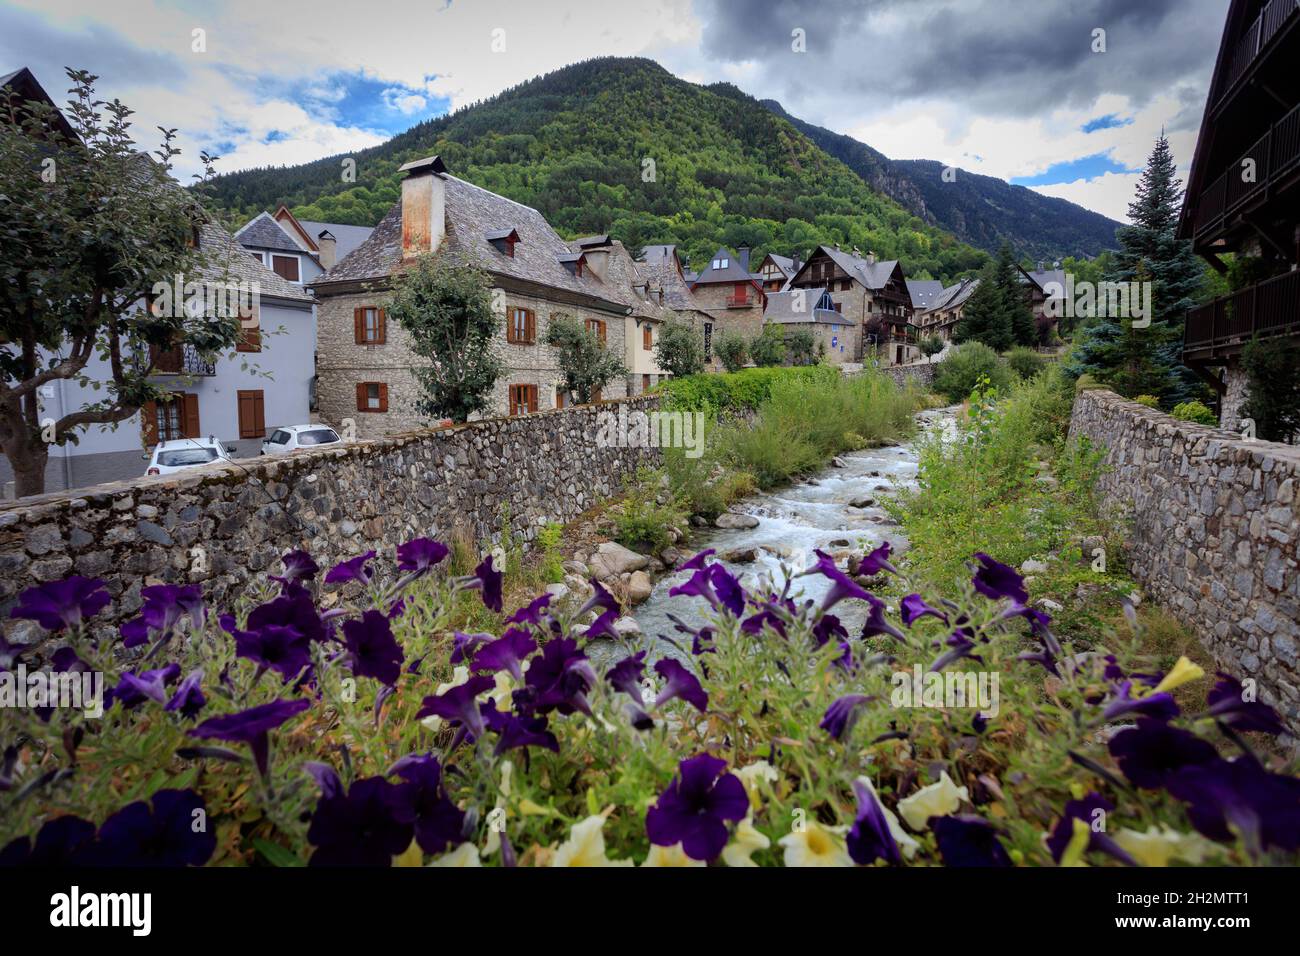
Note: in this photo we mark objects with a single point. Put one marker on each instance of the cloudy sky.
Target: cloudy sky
(1019, 89)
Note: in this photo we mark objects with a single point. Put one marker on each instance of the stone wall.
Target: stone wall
(1215, 524)
(225, 526)
(921, 373)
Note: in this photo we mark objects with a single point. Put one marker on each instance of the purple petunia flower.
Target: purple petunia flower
(419, 555)
(367, 826)
(1150, 753)
(59, 604)
(996, 580)
(1229, 797)
(531, 613)
(133, 689)
(697, 561)
(253, 727)
(559, 679)
(600, 598)
(63, 841)
(728, 589)
(326, 777)
(828, 628)
(680, 683)
(869, 839)
(487, 580)
(164, 606)
(372, 649)
(699, 584)
(354, 569)
(299, 566)
(464, 645)
(968, 840)
(1227, 702)
(188, 699)
(876, 624)
(1091, 808)
(459, 707)
(438, 822)
(696, 807)
(603, 626)
(506, 653)
(518, 731)
(162, 832)
(1158, 706)
(842, 714)
(842, 586)
(627, 675)
(876, 561)
(913, 608)
(273, 647)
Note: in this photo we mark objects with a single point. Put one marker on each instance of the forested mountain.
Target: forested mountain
(622, 146)
(980, 210)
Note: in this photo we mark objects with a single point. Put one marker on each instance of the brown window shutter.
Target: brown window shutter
(532, 398)
(647, 338)
(361, 397)
(383, 397)
(359, 325)
(602, 333)
(532, 327)
(190, 415)
(149, 422)
(261, 415)
(381, 325)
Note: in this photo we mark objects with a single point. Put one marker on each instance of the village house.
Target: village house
(776, 271)
(945, 310)
(1251, 122)
(298, 251)
(871, 295)
(669, 280)
(835, 338)
(365, 363)
(1045, 289)
(730, 294)
(262, 383)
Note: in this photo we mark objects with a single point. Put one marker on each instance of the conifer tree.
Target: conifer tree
(985, 317)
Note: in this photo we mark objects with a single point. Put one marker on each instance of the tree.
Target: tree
(679, 350)
(768, 347)
(447, 311)
(586, 363)
(732, 351)
(91, 229)
(1273, 388)
(985, 318)
(1146, 358)
(931, 346)
(800, 346)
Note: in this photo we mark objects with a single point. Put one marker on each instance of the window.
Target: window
(372, 397)
(708, 341)
(647, 338)
(180, 457)
(523, 399)
(175, 417)
(370, 325)
(318, 436)
(561, 396)
(286, 267)
(521, 327)
(721, 263)
(846, 284)
(252, 409)
(258, 257)
(279, 437)
(250, 332)
(597, 326)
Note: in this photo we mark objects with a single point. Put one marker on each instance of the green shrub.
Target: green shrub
(735, 391)
(641, 522)
(801, 346)
(550, 559)
(1025, 362)
(732, 351)
(959, 373)
(1150, 401)
(768, 348)
(679, 350)
(1195, 412)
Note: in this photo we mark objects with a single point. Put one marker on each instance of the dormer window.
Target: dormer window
(574, 262)
(721, 263)
(504, 240)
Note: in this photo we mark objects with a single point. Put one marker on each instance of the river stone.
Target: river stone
(838, 462)
(740, 555)
(639, 587)
(612, 560)
(671, 557)
(1033, 566)
(627, 627)
(863, 501)
(575, 567)
(729, 519)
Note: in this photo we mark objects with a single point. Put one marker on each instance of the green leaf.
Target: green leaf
(275, 854)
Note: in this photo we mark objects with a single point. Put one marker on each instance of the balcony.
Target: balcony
(1221, 328)
(1276, 155)
(1267, 25)
(182, 360)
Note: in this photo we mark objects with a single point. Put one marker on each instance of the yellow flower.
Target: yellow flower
(1181, 673)
(464, 855)
(744, 843)
(906, 845)
(411, 856)
(1080, 837)
(936, 800)
(1159, 845)
(752, 775)
(669, 856)
(815, 845)
(586, 846)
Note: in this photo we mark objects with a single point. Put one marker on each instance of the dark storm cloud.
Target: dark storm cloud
(995, 56)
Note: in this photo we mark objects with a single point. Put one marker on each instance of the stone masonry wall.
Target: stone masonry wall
(922, 373)
(337, 503)
(1215, 525)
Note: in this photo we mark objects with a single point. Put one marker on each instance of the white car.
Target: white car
(178, 454)
(292, 437)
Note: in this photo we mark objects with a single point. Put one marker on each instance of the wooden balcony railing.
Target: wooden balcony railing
(1275, 155)
(1266, 309)
(182, 360)
(1257, 38)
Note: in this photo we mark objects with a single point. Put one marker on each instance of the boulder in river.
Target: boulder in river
(862, 501)
(730, 519)
(638, 587)
(740, 555)
(612, 560)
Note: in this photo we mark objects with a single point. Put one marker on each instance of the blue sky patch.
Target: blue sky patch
(1109, 121)
(1085, 167)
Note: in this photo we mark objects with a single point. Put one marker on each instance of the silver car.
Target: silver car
(290, 438)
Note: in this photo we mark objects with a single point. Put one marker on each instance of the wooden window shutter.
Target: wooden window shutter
(190, 415)
(647, 338)
(252, 413)
(383, 397)
(381, 327)
(361, 397)
(359, 325)
(532, 398)
(149, 422)
(560, 396)
(531, 317)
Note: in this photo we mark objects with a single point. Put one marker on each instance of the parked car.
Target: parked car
(292, 437)
(178, 454)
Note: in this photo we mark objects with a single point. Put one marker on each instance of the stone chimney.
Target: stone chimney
(871, 257)
(328, 247)
(796, 263)
(424, 206)
(743, 255)
(598, 261)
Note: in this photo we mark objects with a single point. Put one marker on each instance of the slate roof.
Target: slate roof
(230, 262)
(923, 291)
(471, 213)
(263, 232)
(627, 280)
(1041, 279)
(346, 238)
(954, 295)
(781, 308)
(873, 275)
(659, 265)
(732, 273)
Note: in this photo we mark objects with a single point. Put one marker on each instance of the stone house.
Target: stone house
(946, 309)
(296, 250)
(730, 295)
(365, 363)
(835, 338)
(1043, 286)
(871, 295)
(776, 271)
(669, 282)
